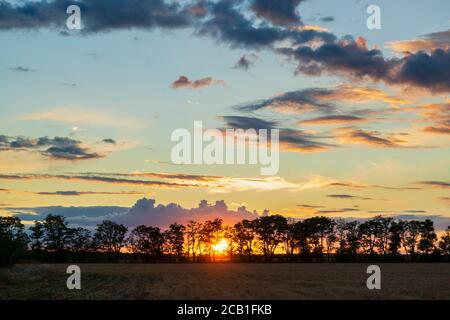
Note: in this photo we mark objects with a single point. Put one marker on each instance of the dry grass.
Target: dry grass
(226, 281)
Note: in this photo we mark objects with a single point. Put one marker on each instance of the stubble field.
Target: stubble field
(226, 281)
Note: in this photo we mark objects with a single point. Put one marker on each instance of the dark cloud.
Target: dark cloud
(97, 15)
(185, 82)
(308, 206)
(348, 196)
(339, 210)
(246, 61)
(414, 211)
(327, 19)
(352, 58)
(277, 12)
(19, 68)
(248, 122)
(290, 139)
(347, 185)
(109, 140)
(58, 148)
(305, 100)
(228, 24)
(333, 119)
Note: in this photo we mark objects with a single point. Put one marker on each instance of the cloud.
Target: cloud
(439, 114)
(57, 148)
(97, 178)
(438, 130)
(395, 188)
(184, 82)
(232, 22)
(435, 184)
(347, 196)
(246, 61)
(21, 69)
(109, 140)
(77, 116)
(98, 15)
(321, 100)
(327, 19)
(293, 101)
(369, 138)
(229, 23)
(290, 139)
(73, 192)
(277, 12)
(308, 206)
(347, 185)
(333, 120)
(339, 210)
(240, 122)
(427, 42)
(213, 184)
(352, 58)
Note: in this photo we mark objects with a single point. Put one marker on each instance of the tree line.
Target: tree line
(266, 238)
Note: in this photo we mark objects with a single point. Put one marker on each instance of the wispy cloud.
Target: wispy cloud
(427, 42)
(21, 69)
(435, 184)
(81, 116)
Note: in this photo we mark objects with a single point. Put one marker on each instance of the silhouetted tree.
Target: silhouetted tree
(37, 236)
(289, 239)
(55, 237)
(367, 235)
(210, 234)
(444, 243)
(193, 238)
(229, 234)
(410, 236)
(244, 237)
(13, 240)
(427, 236)
(348, 238)
(382, 226)
(147, 240)
(174, 240)
(271, 231)
(395, 237)
(78, 240)
(110, 237)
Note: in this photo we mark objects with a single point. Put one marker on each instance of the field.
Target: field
(226, 281)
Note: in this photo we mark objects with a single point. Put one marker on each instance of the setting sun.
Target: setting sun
(221, 246)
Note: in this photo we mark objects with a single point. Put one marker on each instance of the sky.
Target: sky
(86, 115)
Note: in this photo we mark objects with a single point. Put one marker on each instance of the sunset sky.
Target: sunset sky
(364, 115)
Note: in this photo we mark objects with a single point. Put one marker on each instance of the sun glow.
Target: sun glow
(221, 246)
